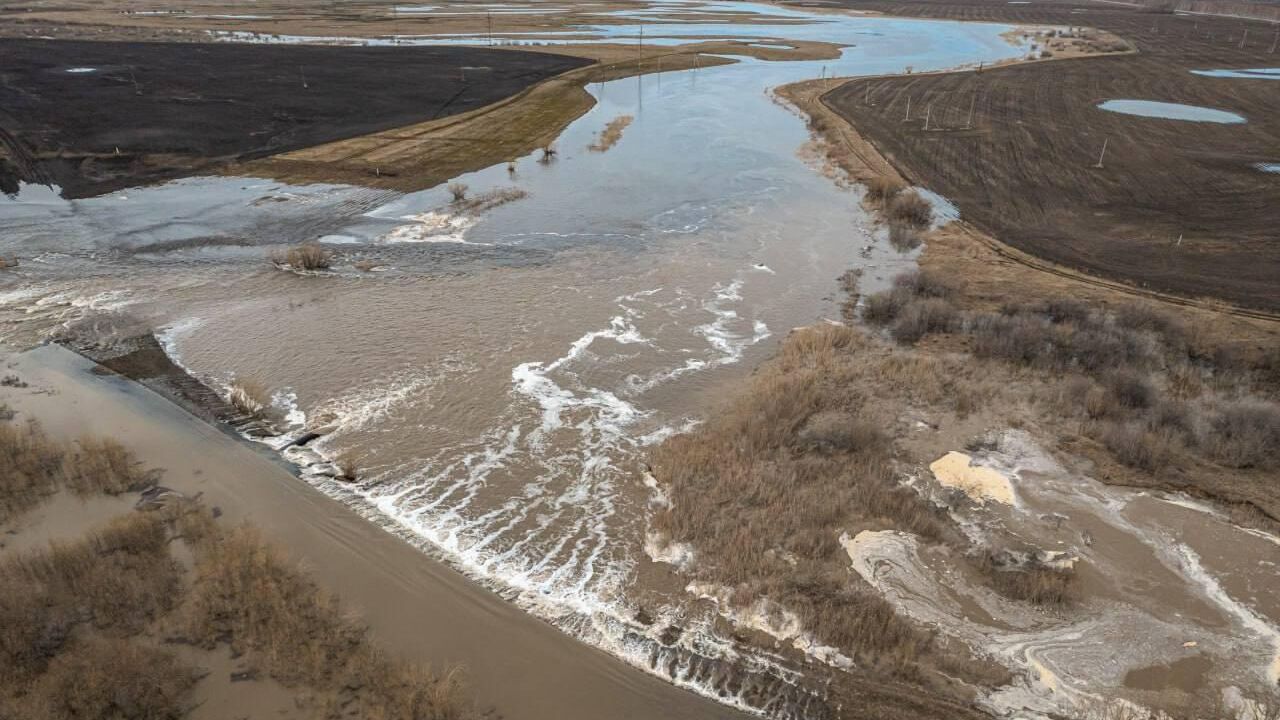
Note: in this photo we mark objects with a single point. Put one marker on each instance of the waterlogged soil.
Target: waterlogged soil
(1176, 206)
(92, 117)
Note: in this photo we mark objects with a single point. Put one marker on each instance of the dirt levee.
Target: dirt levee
(93, 117)
(1174, 206)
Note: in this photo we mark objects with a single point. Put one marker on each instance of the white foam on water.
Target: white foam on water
(432, 226)
(81, 70)
(170, 335)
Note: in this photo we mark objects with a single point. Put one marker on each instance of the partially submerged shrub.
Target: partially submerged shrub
(1028, 581)
(910, 208)
(250, 397)
(458, 190)
(308, 256)
(882, 307)
(904, 237)
(112, 678)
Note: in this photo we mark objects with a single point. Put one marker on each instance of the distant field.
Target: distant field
(93, 117)
(1024, 169)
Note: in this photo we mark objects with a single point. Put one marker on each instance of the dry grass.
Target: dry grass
(308, 256)
(1028, 581)
(75, 617)
(37, 467)
(247, 594)
(911, 209)
(763, 490)
(611, 134)
(250, 397)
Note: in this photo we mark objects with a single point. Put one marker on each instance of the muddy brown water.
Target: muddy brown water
(521, 667)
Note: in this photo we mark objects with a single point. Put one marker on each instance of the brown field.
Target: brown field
(1024, 168)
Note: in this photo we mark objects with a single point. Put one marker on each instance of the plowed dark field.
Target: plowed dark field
(1176, 206)
(93, 117)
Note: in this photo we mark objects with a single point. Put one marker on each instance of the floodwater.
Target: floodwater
(1171, 111)
(1247, 73)
(500, 377)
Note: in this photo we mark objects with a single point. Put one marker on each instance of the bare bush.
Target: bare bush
(1131, 389)
(903, 237)
(910, 208)
(1245, 434)
(458, 190)
(112, 678)
(1136, 446)
(925, 284)
(882, 307)
(347, 465)
(881, 189)
(922, 317)
(249, 396)
(308, 256)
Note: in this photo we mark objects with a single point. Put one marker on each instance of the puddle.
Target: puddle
(1187, 674)
(1171, 111)
(1247, 73)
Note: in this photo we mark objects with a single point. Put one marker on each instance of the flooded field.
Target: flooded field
(498, 371)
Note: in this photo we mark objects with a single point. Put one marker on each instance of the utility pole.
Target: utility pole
(303, 75)
(866, 100)
(928, 111)
(908, 117)
(972, 101)
(1244, 38)
(1103, 154)
(1275, 41)
(490, 16)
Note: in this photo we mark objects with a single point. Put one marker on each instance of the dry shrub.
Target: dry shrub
(925, 284)
(882, 307)
(247, 594)
(1028, 581)
(116, 580)
(1245, 434)
(348, 466)
(1131, 389)
(903, 237)
(922, 317)
(250, 397)
(458, 191)
(111, 679)
(1135, 445)
(36, 467)
(880, 189)
(910, 208)
(308, 256)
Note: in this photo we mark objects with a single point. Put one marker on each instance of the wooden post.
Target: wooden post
(490, 14)
(1103, 154)
(1275, 41)
(928, 111)
(1244, 37)
(908, 117)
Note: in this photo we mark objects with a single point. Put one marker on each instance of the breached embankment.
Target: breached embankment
(416, 607)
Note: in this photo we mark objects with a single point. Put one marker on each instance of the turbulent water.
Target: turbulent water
(498, 377)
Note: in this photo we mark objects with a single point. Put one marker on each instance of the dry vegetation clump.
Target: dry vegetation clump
(611, 134)
(489, 200)
(917, 305)
(308, 256)
(250, 397)
(764, 490)
(903, 237)
(36, 467)
(246, 594)
(1028, 581)
(911, 209)
(881, 189)
(458, 191)
(348, 466)
(76, 618)
(1246, 434)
